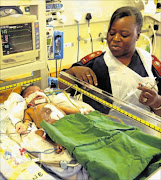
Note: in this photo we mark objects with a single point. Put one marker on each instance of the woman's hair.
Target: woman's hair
(127, 11)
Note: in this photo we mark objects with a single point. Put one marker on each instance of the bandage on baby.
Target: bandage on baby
(34, 95)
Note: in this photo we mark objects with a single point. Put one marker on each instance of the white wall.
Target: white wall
(101, 11)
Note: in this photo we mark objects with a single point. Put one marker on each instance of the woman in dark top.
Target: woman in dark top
(123, 66)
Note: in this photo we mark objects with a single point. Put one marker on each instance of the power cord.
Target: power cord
(49, 70)
(78, 39)
(9, 10)
(88, 18)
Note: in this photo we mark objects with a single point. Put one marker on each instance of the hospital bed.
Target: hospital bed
(67, 165)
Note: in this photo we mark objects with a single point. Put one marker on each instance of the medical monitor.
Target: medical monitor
(19, 40)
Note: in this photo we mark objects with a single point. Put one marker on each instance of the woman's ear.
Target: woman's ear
(138, 35)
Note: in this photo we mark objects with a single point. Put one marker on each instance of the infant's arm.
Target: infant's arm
(28, 116)
(67, 110)
(22, 127)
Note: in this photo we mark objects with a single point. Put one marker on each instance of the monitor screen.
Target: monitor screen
(16, 38)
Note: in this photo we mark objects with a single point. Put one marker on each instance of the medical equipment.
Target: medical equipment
(53, 82)
(19, 40)
(54, 7)
(58, 44)
(55, 43)
(34, 95)
(53, 12)
(56, 47)
(21, 83)
(135, 90)
(49, 36)
(131, 111)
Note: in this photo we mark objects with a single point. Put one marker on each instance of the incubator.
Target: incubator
(130, 114)
(127, 133)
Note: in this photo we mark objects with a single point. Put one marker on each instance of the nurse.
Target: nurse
(122, 66)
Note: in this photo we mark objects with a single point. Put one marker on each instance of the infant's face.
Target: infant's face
(31, 90)
(37, 98)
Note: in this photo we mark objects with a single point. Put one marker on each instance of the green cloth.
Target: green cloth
(107, 149)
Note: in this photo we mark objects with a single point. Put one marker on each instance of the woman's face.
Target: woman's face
(122, 36)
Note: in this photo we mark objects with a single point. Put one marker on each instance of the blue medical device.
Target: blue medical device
(58, 44)
(53, 82)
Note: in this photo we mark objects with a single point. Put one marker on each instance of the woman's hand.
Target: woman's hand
(149, 97)
(84, 73)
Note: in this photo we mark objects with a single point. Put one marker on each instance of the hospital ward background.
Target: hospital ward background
(39, 41)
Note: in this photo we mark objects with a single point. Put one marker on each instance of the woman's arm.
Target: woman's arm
(81, 72)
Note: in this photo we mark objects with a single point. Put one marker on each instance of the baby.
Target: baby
(39, 108)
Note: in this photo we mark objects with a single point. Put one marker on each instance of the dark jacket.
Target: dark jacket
(101, 70)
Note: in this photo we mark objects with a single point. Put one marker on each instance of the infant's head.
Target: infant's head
(34, 95)
(29, 90)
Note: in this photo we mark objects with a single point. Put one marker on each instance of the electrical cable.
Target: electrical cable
(47, 151)
(64, 91)
(56, 67)
(88, 18)
(150, 44)
(49, 70)
(9, 10)
(60, 65)
(154, 34)
(90, 36)
(26, 132)
(78, 40)
(114, 117)
(62, 164)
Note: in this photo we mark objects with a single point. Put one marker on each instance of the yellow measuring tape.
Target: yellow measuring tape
(20, 84)
(109, 105)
